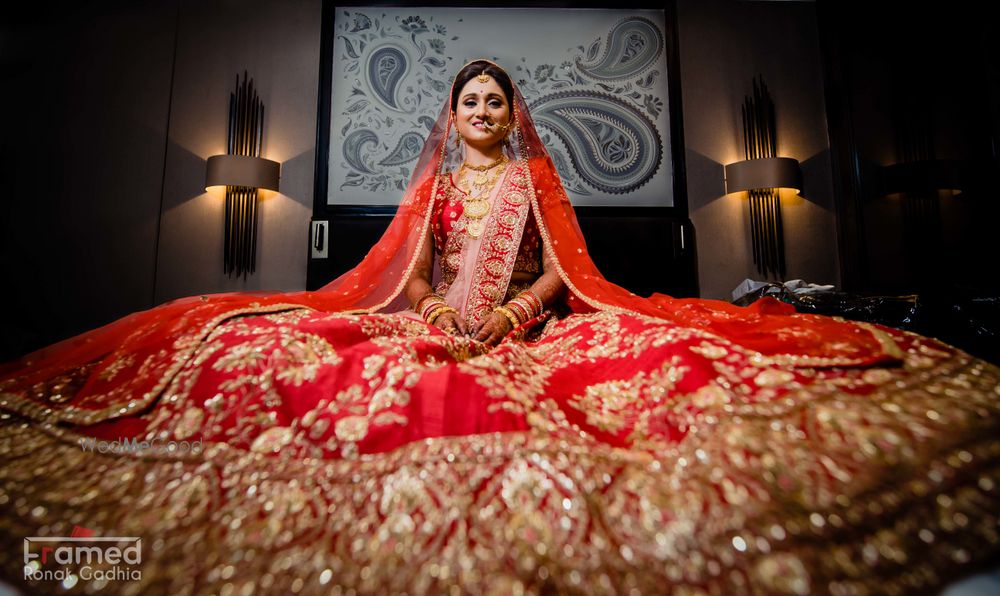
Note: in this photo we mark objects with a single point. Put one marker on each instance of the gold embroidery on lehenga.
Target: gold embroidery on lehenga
(803, 499)
(121, 363)
(272, 440)
(352, 428)
(451, 253)
(610, 406)
(833, 480)
(122, 398)
(255, 373)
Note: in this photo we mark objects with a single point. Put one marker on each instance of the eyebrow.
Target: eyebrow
(490, 94)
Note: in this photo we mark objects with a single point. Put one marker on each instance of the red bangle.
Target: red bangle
(426, 311)
(519, 310)
(537, 306)
(420, 301)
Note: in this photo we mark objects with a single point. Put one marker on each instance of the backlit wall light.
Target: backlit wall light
(760, 175)
(242, 171)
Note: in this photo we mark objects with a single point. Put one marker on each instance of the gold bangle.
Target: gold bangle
(438, 312)
(510, 315)
(433, 305)
(434, 314)
(420, 301)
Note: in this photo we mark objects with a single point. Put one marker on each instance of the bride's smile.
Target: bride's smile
(481, 115)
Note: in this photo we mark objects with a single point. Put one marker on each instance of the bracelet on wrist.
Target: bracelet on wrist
(532, 300)
(509, 314)
(421, 302)
(426, 301)
(430, 306)
(519, 309)
(438, 312)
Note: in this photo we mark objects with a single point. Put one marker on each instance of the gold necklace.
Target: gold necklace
(488, 166)
(475, 203)
(479, 186)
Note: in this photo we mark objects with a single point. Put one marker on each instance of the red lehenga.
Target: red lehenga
(647, 444)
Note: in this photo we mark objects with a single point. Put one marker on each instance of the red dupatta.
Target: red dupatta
(123, 367)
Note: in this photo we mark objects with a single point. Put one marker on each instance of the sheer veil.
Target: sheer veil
(377, 283)
(768, 326)
(148, 348)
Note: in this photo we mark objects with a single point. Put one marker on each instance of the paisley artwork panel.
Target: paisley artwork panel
(595, 81)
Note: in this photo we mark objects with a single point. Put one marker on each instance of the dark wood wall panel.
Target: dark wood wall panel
(643, 254)
(919, 88)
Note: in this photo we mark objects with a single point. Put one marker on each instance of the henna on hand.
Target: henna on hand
(450, 322)
(493, 329)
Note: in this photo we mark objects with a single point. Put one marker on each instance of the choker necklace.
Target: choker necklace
(488, 166)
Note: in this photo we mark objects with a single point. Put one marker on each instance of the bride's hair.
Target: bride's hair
(478, 67)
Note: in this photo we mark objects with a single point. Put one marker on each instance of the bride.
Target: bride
(483, 227)
(475, 407)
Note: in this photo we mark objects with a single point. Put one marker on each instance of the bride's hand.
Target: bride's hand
(492, 329)
(451, 323)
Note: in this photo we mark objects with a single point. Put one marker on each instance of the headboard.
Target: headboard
(635, 248)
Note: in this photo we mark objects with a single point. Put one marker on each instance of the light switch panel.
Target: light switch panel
(319, 239)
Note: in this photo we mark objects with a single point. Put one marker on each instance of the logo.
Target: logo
(82, 555)
(137, 447)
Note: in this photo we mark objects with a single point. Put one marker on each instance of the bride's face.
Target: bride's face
(480, 104)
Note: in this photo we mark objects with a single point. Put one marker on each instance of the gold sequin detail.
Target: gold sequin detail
(516, 198)
(351, 428)
(839, 481)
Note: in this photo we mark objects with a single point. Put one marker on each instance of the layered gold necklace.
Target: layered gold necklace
(477, 187)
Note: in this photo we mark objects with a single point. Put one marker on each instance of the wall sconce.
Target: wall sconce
(761, 174)
(242, 171)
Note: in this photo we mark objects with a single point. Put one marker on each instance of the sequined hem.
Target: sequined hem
(123, 401)
(853, 481)
(631, 454)
(511, 512)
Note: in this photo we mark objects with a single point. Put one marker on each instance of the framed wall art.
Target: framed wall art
(597, 82)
